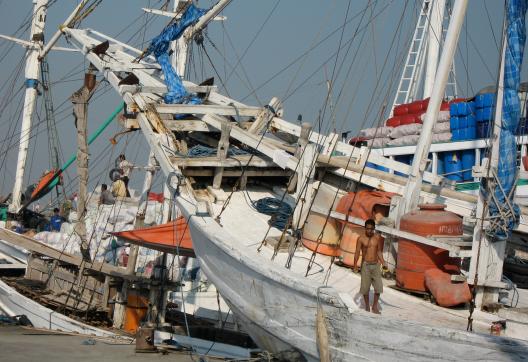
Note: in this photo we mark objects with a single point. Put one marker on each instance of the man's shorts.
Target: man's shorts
(371, 274)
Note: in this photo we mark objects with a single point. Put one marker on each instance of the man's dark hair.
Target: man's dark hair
(122, 156)
(104, 187)
(370, 222)
(56, 210)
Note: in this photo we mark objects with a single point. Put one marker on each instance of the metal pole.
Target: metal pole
(31, 75)
(414, 183)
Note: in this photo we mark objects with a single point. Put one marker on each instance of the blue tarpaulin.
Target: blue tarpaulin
(160, 48)
(499, 206)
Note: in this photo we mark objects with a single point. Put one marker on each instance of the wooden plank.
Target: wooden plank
(221, 153)
(163, 89)
(186, 126)
(213, 161)
(266, 114)
(208, 109)
(46, 250)
(201, 172)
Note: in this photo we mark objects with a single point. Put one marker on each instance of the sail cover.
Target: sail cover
(160, 48)
(173, 237)
(501, 206)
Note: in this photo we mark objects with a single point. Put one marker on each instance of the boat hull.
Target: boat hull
(278, 310)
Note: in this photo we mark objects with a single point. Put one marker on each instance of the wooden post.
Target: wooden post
(305, 188)
(306, 129)
(80, 101)
(223, 147)
(274, 107)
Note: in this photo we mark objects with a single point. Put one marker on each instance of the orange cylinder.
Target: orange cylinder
(415, 258)
(347, 247)
(135, 311)
(327, 243)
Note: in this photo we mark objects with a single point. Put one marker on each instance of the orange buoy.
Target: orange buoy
(415, 258)
(327, 243)
(347, 247)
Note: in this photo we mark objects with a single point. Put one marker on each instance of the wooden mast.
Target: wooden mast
(80, 101)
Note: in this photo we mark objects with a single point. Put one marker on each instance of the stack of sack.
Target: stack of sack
(407, 123)
(376, 137)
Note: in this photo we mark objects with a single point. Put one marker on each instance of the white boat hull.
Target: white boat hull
(278, 309)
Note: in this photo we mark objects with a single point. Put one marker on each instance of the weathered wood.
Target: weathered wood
(203, 172)
(303, 140)
(223, 148)
(46, 250)
(265, 116)
(245, 111)
(80, 101)
(213, 161)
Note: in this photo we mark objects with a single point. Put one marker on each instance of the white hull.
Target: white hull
(277, 308)
(13, 303)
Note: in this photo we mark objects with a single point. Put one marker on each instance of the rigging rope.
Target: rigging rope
(205, 151)
(279, 211)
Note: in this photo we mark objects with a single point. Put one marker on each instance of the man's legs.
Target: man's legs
(367, 302)
(375, 305)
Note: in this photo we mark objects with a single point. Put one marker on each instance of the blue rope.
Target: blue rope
(204, 151)
(279, 210)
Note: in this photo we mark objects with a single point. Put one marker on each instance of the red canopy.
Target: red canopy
(172, 237)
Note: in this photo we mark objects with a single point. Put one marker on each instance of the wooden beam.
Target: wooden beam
(204, 172)
(223, 148)
(213, 161)
(208, 109)
(187, 126)
(46, 250)
(265, 115)
(163, 89)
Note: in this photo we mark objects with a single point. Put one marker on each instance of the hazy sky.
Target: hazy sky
(287, 48)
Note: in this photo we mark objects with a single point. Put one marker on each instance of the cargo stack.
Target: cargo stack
(485, 109)
(463, 121)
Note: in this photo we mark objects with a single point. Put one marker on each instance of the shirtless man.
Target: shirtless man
(370, 245)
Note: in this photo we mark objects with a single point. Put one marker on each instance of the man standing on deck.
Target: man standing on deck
(125, 167)
(106, 197)
(370, 245)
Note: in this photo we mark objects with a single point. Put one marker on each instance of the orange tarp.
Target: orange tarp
(172, 237)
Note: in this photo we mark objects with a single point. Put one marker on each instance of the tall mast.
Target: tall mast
(414, 183)
(434, 36)
(31, 81)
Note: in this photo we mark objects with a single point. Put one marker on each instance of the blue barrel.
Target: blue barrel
(468, 161)
(487, 114)
(485, 100)
(453, 110)
(454, 123)
(465, 108)
(462, 122)
(471, 120)
(453, 166)
(455, 135)
(471, 133)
